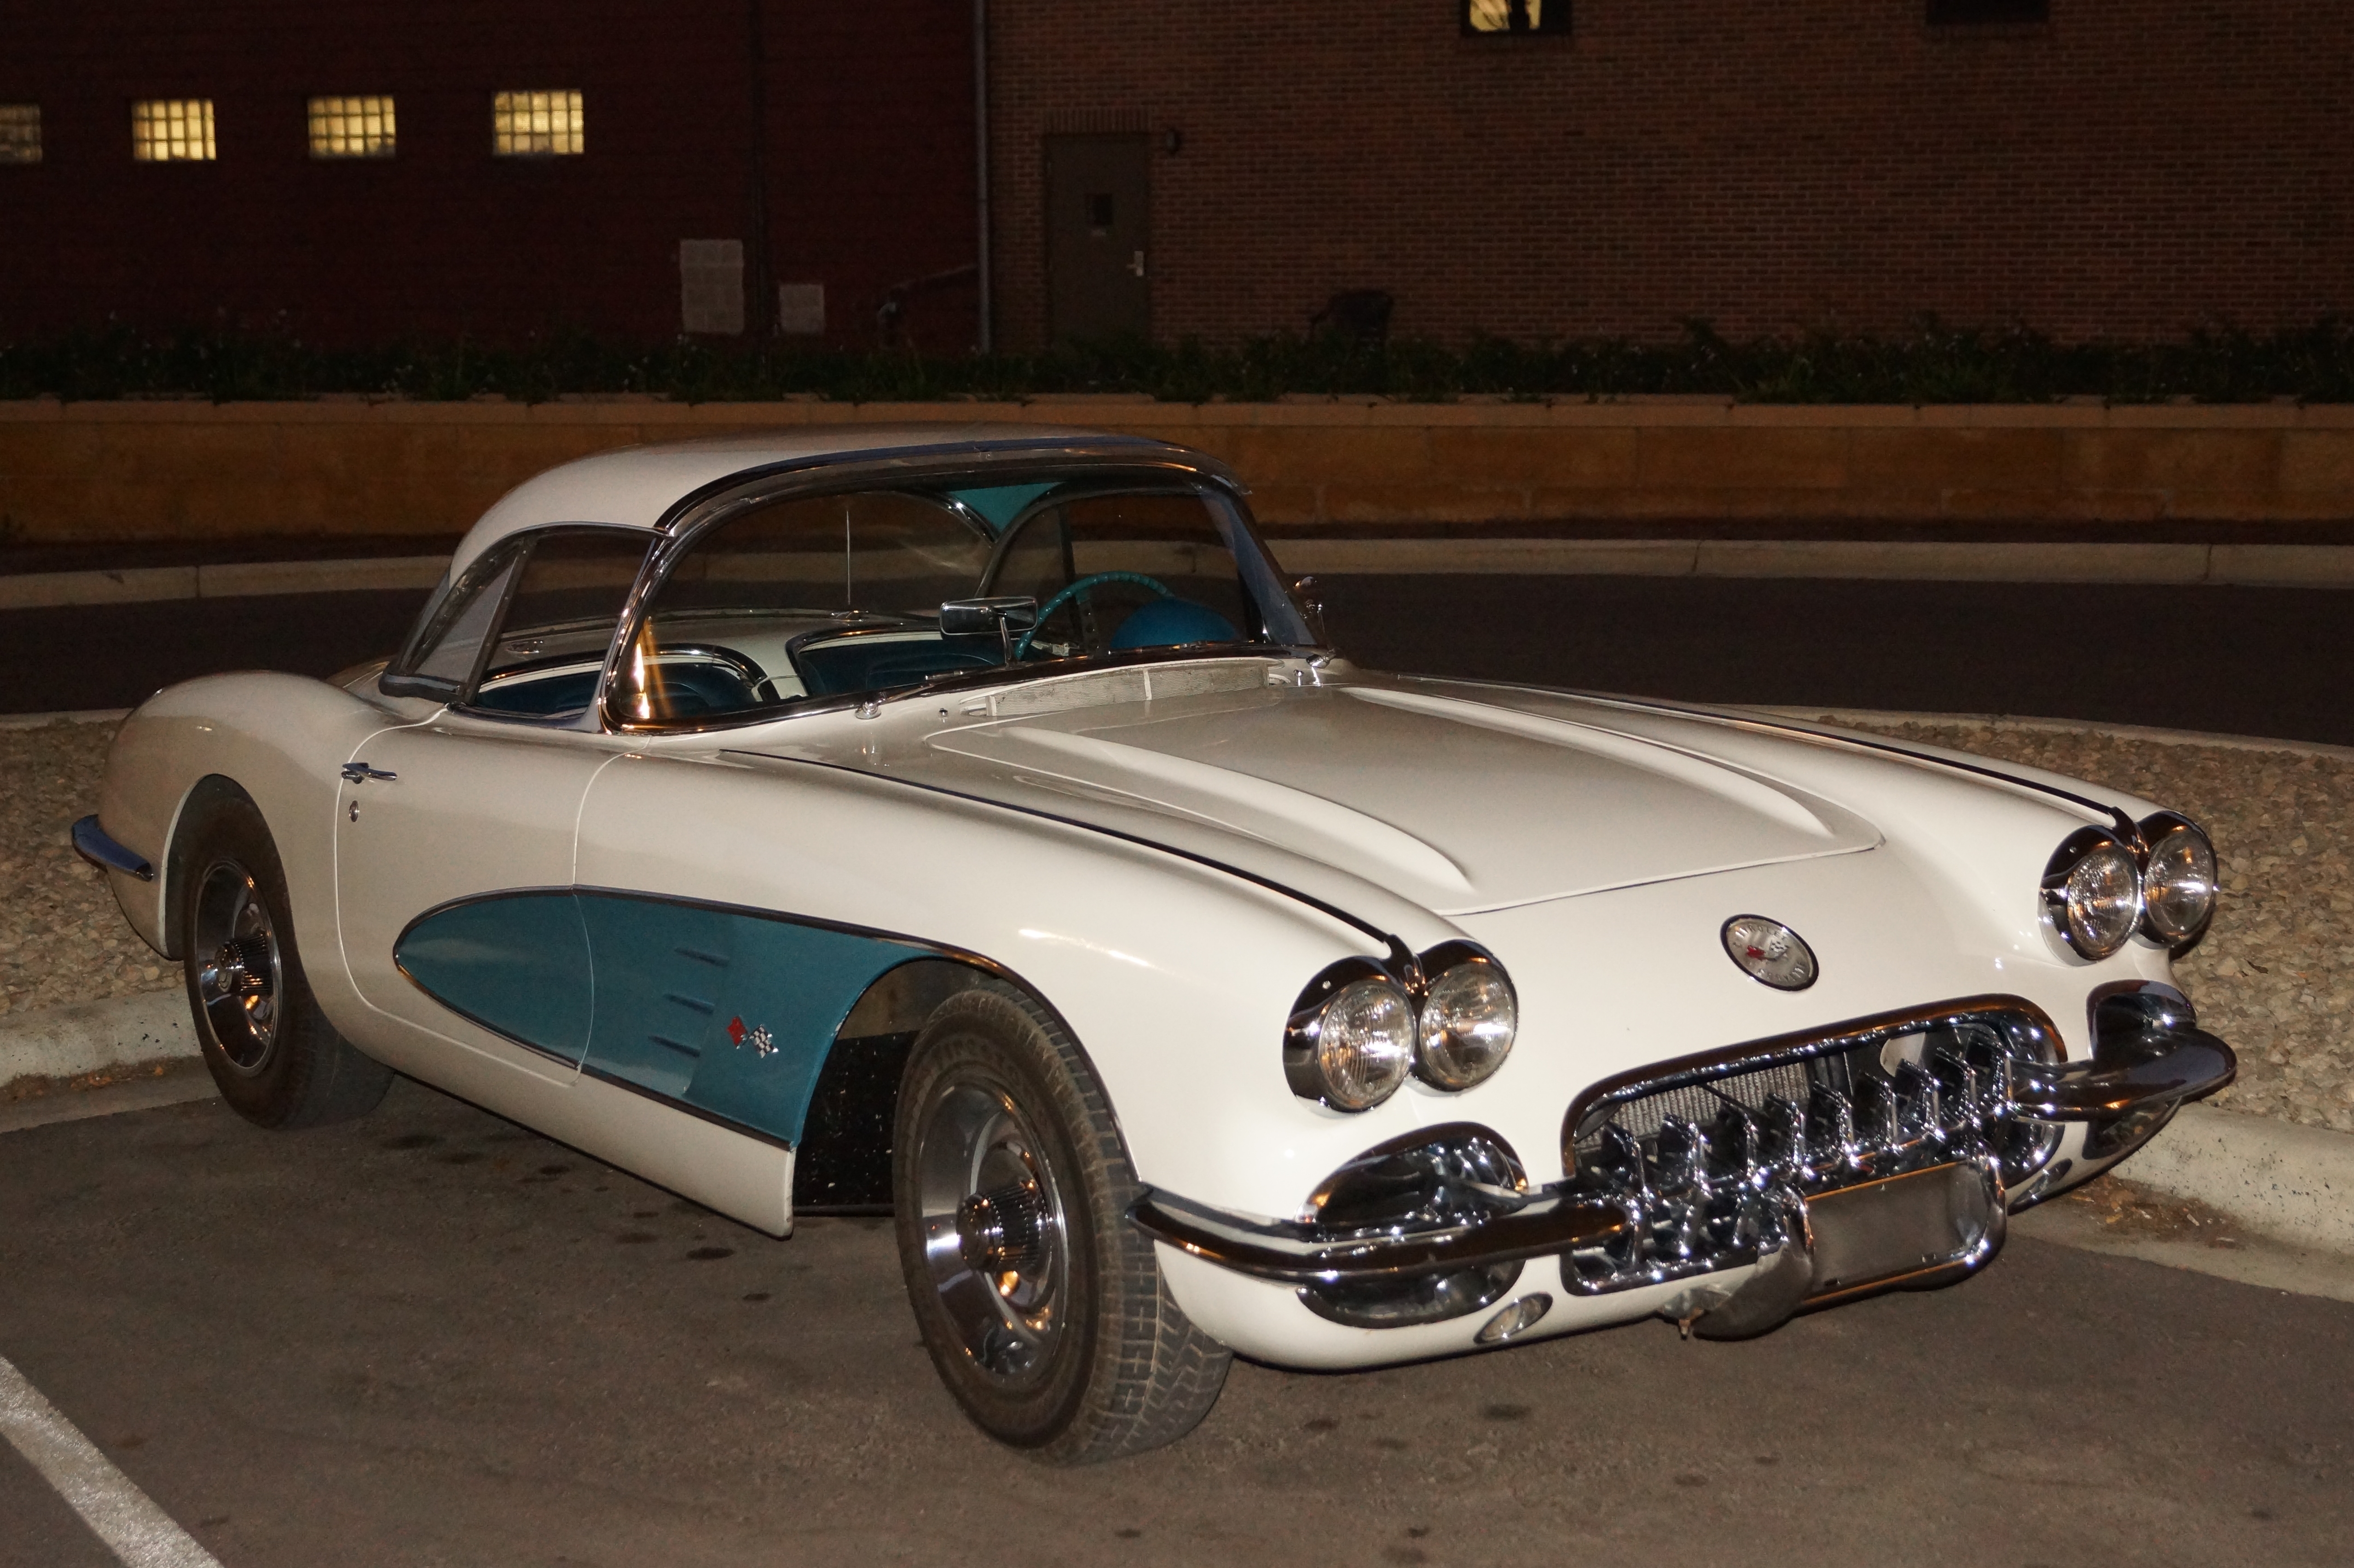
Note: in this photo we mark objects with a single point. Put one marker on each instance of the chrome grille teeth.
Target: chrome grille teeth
(1875, 1116)
(1722, 1177)
(1620, 1161)
(1678, 1167)
(1915, 1094)
(1782, 1139)
(1956, 1082)
(1733, 1153)
(1831, 1128)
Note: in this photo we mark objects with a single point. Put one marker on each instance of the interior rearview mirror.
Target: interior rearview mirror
(1003, 614)
(988, 617)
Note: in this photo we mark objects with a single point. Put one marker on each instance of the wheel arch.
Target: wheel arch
(179, 868)
(842, 1164)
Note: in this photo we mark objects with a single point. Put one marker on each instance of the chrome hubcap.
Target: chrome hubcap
(995, 1233)
(241, 977)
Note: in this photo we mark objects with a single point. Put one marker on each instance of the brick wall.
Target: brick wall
(2132, 167)
(869, 154)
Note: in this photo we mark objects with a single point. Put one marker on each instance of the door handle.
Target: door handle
(360, 773)
(1136, 264)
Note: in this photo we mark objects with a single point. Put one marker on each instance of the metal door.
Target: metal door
(1098, 240)
(453, 818)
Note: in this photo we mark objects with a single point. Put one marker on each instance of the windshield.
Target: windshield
(871, 592)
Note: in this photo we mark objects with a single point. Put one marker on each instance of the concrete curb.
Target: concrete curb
(2291, 1183)
(1853, 718)
(239, 580)
(83, 1037)
(2244, 566)
(71, 716)
(2238, 566)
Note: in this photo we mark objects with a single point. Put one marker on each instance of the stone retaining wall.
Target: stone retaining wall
(169, 469)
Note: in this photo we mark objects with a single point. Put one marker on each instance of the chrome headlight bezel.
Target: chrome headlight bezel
(1309, 1051)
(2067, 876)
(2158, 829)
(1451, 967)
(1311, 1064)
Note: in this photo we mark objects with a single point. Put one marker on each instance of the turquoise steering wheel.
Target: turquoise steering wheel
(1079, 586)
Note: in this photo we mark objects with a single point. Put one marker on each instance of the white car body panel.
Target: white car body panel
(1164, 857)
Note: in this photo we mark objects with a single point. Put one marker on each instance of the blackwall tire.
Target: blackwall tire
(1042, 1307)
(274, 1056)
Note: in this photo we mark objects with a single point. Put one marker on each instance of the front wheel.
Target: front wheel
(1042, 1306)
(274, 1056)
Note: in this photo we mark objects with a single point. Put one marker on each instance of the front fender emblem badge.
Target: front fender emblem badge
(1770, 952)
(758, 1039)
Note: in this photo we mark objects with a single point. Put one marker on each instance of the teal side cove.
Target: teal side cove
(518, 964)
(727, 1010)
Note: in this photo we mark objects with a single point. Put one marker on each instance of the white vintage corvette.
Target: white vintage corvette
(974, 825)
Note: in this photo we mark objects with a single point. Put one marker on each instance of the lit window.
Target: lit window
(20, 133)
(351, 127)
(172, 131)
(1515, 15)
(536, 124)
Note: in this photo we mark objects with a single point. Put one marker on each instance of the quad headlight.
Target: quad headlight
(1469, 1018)
(2092, 888)
(2177, 883)
(2099, 891)
(1359, 1029)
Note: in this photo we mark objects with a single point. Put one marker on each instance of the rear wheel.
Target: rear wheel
(274, 1056)
(1042, 1306)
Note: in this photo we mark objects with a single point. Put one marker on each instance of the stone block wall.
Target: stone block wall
(120, 472)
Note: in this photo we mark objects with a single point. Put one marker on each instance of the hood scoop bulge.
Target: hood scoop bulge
(1457, 805)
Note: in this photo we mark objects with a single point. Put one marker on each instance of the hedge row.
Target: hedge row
(1929, 364)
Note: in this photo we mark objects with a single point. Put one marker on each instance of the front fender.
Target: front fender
(282, 739)
(1175, 978)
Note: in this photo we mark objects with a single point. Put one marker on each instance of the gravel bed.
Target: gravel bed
(2274, 976)
(62, 938)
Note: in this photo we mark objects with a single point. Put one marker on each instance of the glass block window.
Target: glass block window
(1484, 17)
(536, 124)
(351, 127)
(20, 133)
(172, 131)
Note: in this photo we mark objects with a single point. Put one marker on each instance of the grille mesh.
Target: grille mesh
(1700, 1102)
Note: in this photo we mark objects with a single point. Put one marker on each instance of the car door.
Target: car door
(454, 836)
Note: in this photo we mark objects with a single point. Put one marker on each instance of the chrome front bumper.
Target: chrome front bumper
(1886, 1152)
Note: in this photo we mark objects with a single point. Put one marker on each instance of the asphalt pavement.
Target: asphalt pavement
(431, 1336)
(2241, 661)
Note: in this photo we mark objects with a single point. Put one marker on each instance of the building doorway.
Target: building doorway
(1097, 238)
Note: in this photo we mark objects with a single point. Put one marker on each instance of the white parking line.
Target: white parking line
(126, 1519)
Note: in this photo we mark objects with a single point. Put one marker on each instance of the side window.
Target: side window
(558, 621)
(449, 645)
(819, 595)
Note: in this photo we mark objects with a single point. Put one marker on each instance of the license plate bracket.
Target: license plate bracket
(1905, 1229)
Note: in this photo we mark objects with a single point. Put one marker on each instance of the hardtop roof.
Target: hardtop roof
(637, 487)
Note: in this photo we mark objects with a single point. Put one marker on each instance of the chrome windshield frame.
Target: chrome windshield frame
(1119, 463)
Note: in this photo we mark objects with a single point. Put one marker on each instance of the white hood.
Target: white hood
(1455, 805)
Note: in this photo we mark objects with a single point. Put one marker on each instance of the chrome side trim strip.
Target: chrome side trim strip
(92, 842)
(1299, 1254)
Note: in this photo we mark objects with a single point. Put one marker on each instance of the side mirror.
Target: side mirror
(1004, 615)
